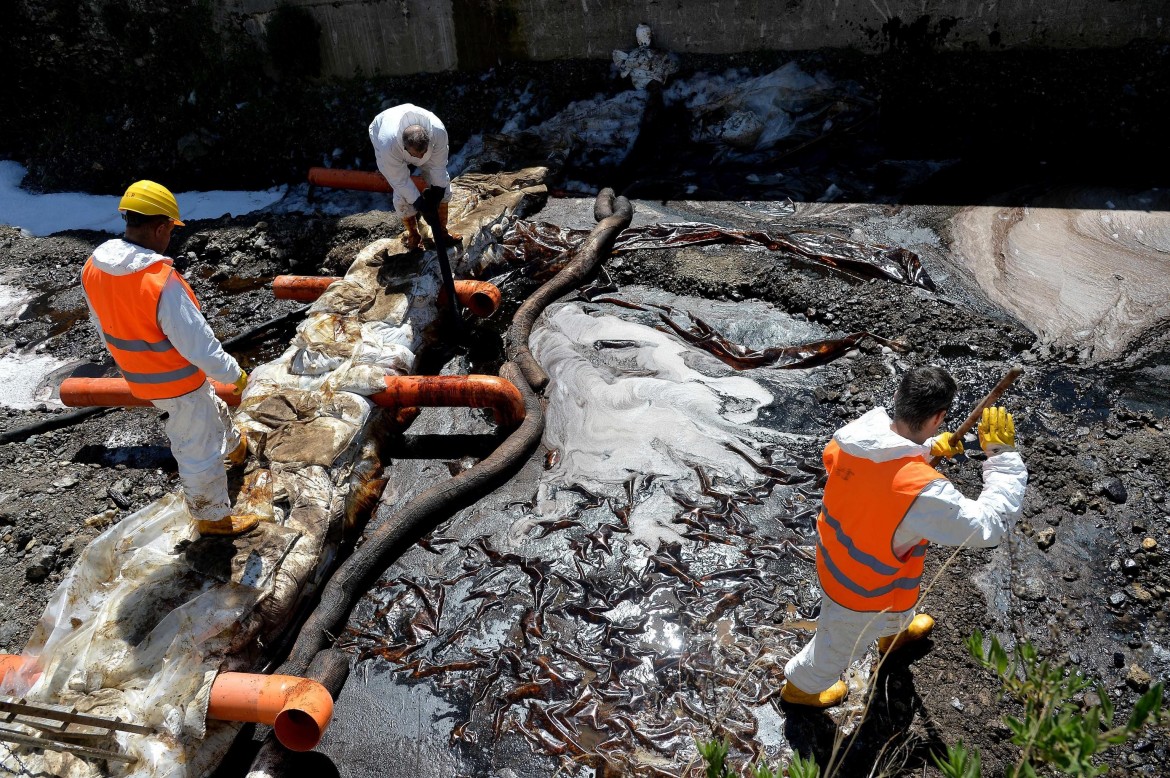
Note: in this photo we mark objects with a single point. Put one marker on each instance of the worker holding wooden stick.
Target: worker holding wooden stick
(883, 504)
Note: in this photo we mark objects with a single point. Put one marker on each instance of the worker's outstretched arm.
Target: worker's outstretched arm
(191, 335)
(942, 515)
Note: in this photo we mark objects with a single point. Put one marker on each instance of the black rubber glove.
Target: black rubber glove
(421, 205)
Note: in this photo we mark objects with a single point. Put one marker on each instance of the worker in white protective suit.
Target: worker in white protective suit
(149, 319)
(407, 136)
(883, 504)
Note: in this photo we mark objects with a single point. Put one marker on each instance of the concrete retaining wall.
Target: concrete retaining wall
(408, 36)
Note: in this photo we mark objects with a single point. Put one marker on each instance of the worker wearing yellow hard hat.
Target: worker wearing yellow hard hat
(150, 199)
(150, 321)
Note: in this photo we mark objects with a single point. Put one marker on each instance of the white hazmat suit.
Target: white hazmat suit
(198, 423)
(394, 161)
(940, 514)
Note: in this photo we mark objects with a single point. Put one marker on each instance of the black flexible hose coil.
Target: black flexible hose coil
(385, 543)
(613, 214)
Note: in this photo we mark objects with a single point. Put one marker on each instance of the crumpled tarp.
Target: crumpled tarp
(538, 246)
(150, 613)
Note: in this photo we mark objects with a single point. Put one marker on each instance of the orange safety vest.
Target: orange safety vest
(864, 503)
(127, 310)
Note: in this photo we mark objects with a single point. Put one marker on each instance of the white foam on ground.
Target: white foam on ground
(44, 214)
(21, 375)
(13, 299)
(639, 409)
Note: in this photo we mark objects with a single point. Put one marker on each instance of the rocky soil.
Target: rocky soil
(1085, 575)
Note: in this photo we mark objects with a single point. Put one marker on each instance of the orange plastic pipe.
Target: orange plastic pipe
(361, 180)
(298, 709)
(303, 288)
(454, 391)
(482, 298)
(115, 393)
(19, 664)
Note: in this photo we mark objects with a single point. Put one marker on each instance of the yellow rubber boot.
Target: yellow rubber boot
(834, 695)
(237, 457)
(919, 628)
(444, 210)
(228, 525)
(411, 238)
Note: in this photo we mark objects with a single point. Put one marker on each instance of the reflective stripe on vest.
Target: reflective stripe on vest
(127, 311)
(864, 503)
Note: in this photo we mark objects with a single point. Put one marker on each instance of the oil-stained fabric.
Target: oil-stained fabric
(201, 434)
(941, 514)
(394, 162)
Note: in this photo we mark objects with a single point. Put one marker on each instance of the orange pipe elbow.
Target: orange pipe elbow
(482, 298)
(454, 391)
(115, 393)
(298, 709)
(360, 180)
(306, 289)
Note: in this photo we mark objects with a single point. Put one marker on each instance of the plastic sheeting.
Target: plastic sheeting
(538, 246)
(150, 613)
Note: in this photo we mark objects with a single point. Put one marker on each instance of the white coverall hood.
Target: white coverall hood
(120, 257)
(872, 437)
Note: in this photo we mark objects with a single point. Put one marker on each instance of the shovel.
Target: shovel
(442, 243)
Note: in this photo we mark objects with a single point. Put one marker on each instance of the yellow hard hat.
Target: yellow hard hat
(150, 199)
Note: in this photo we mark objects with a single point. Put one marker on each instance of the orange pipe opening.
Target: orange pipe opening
(361, 180)
(115, 393)
(482, 298)
(298, 709)
(454, 391)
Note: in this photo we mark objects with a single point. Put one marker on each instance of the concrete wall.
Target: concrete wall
(408, 36)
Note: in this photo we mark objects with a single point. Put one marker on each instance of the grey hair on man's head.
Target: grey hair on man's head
(416, 138)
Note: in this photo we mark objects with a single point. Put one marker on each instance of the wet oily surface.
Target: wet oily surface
(640, 585)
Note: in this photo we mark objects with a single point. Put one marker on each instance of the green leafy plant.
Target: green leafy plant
(1055, 731)
(959, 762)
(714, 753)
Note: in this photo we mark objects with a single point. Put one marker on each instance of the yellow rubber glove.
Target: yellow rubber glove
(946, 445)
(241, 382)
(997, 430)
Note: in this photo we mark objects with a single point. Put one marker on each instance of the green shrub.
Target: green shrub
(714, 753)
(1055, 730)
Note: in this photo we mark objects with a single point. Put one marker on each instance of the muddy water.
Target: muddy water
(638, 585)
